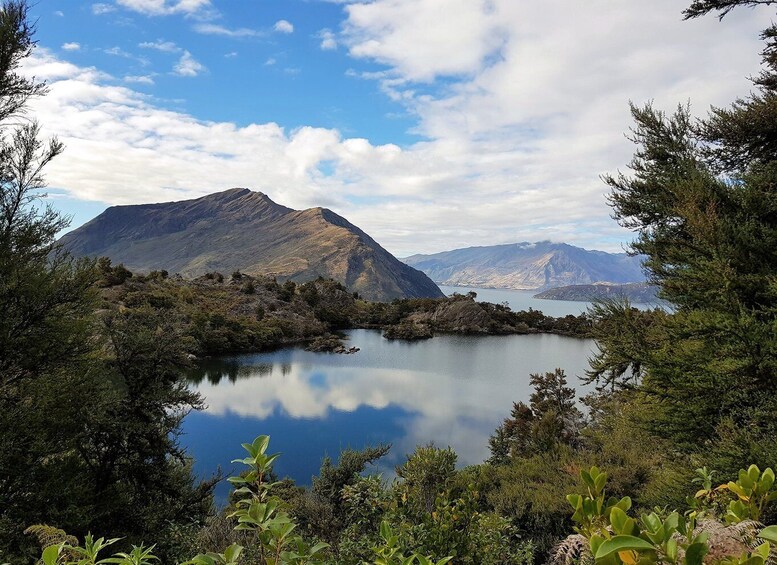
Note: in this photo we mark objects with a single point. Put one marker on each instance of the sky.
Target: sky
(430, 124)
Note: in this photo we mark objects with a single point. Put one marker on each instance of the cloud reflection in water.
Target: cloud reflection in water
(451, 390)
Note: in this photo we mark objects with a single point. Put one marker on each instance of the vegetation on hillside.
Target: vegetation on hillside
(241, 313)
(92, 388)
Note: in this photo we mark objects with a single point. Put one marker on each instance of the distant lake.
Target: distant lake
(521, 300)
(450, 390)
(524, 299)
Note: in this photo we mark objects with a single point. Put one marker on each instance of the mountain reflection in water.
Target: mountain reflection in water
(451, 390)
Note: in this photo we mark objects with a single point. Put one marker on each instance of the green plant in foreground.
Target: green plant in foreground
(261, 512)
(390, 552)
(615, 538)
(89, 553)
(753, 490)
(230, 556)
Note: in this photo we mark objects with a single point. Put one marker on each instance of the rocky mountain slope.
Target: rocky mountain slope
(239, 229)
(525, 266)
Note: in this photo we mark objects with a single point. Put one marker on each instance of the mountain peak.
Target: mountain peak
(240, 229)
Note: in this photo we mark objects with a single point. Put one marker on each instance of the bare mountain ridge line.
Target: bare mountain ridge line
(239, 229)
(528, 266)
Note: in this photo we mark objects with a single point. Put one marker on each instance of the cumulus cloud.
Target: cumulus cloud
(188, 66)
(71, 46)
(427, 38)
(520, 109)
(328, 39)
(283, 26)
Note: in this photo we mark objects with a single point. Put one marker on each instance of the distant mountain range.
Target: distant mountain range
(243, 230)
(528, 266)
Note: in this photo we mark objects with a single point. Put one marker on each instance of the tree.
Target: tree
(140, 479)
(46, 302)
(88, 411)
(551, 418)
(702, 200)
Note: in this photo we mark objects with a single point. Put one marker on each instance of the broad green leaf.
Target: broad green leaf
(769, 533)
(671, 550)
(694, 554)
(51, 554)
(618, 519)
(623, 543)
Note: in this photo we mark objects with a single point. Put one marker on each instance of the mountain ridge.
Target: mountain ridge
(527, 266)
(239, 229)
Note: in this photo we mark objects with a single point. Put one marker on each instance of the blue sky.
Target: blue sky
(431, 124)
(268, 69)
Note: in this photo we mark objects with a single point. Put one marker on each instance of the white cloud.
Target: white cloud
(139, 79)
(230, 55)
(328, 39)
(166, 7)
(270, 62)
(467, 405)
(59, 13)
(159, 45)
(283, 26)
(214, 29)
(101, 8)
(532, 109)
(71, 46)
(188, 66)
(427, 38)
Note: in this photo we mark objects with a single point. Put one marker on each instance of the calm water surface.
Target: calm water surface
(521, 300)
(450, 390)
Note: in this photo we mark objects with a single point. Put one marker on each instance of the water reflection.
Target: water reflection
(451, 390)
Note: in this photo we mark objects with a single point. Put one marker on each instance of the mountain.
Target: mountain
(639, 293)
(239, 229)
(527, 266)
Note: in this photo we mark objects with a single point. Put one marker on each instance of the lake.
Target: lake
(450, 390)
(521, 300)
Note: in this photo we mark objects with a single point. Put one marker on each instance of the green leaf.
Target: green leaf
(694, 554)
(618, 519)
(769, 533)
(600, 481)
(232, 553)
(623, 543)
(624, 503)
(586, 476)
(767, 480)
(763, 550)
(671, 550)
(51, 554)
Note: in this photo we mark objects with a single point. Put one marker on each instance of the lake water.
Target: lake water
(450, 390)
(521, 300)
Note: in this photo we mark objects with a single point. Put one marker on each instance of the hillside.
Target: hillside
(640, 293)
(527, 266)
(239, 229)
